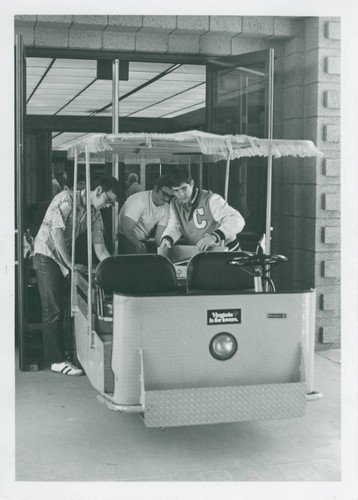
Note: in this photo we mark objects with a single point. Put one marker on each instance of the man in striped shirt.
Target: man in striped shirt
(52, 259)
(203, 218)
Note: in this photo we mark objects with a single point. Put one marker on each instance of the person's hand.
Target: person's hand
(165, 243)
(208, 241)
(81, 268)
(140, 247)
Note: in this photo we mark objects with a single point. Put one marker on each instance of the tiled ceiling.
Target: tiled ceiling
(63, 140)
(61, 87)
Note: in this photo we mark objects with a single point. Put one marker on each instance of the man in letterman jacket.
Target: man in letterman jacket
(203, 218)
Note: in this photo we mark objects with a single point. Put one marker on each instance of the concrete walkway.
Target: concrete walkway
(63, 433)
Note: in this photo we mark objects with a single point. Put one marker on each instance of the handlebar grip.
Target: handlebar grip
(247, 258)
(279, 258)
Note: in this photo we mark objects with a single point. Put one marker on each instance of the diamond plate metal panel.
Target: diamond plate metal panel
(180, 407)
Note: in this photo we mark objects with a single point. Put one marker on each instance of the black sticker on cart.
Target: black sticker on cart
(277, 315)
(224, 316)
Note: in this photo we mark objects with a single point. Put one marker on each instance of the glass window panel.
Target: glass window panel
(239, 107)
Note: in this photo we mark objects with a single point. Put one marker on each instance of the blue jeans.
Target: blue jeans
(52, 288)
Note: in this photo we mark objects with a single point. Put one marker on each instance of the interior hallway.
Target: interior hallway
(63, 433)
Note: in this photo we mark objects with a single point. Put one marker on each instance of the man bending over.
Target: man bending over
(203, 218)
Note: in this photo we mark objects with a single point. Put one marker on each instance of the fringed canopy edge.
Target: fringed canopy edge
(184, 147)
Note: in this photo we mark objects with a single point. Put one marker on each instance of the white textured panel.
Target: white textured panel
(63, 140)
(38, 62)
(147, 66)
(76, 64)
(66, 73)
(186, 110)
(68, 77)
(35, 71)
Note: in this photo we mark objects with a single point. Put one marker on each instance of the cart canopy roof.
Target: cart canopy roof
(183, 147)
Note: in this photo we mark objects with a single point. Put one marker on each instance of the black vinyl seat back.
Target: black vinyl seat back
(211, 271)
(136, 274)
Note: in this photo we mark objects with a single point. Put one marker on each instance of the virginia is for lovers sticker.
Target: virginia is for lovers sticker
(223, 316)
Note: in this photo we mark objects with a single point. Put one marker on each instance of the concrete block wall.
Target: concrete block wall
(323, 44)
(307, 207)
(209, 35)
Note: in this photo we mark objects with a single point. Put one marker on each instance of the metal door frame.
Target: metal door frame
(20, 103)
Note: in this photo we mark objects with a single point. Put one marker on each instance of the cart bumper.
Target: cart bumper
(211, 405)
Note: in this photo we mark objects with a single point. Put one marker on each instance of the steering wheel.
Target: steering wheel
(257, 262)
(260, 265)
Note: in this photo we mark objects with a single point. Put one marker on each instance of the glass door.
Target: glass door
(239, 101)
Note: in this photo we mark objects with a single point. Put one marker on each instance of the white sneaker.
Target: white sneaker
(66, 368)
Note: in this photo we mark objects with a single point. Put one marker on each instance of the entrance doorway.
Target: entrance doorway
(68, 97)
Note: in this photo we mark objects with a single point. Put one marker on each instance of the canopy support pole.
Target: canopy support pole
(89, 249)
(201, 173)
(115, 165)
(227, 174)
(75, 170)
(268, 206)
(142, 179)
(269, 161)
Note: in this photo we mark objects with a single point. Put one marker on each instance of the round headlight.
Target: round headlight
(223, 346)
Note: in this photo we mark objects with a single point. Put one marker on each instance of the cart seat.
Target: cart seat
(136, 274)
(210, 272)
